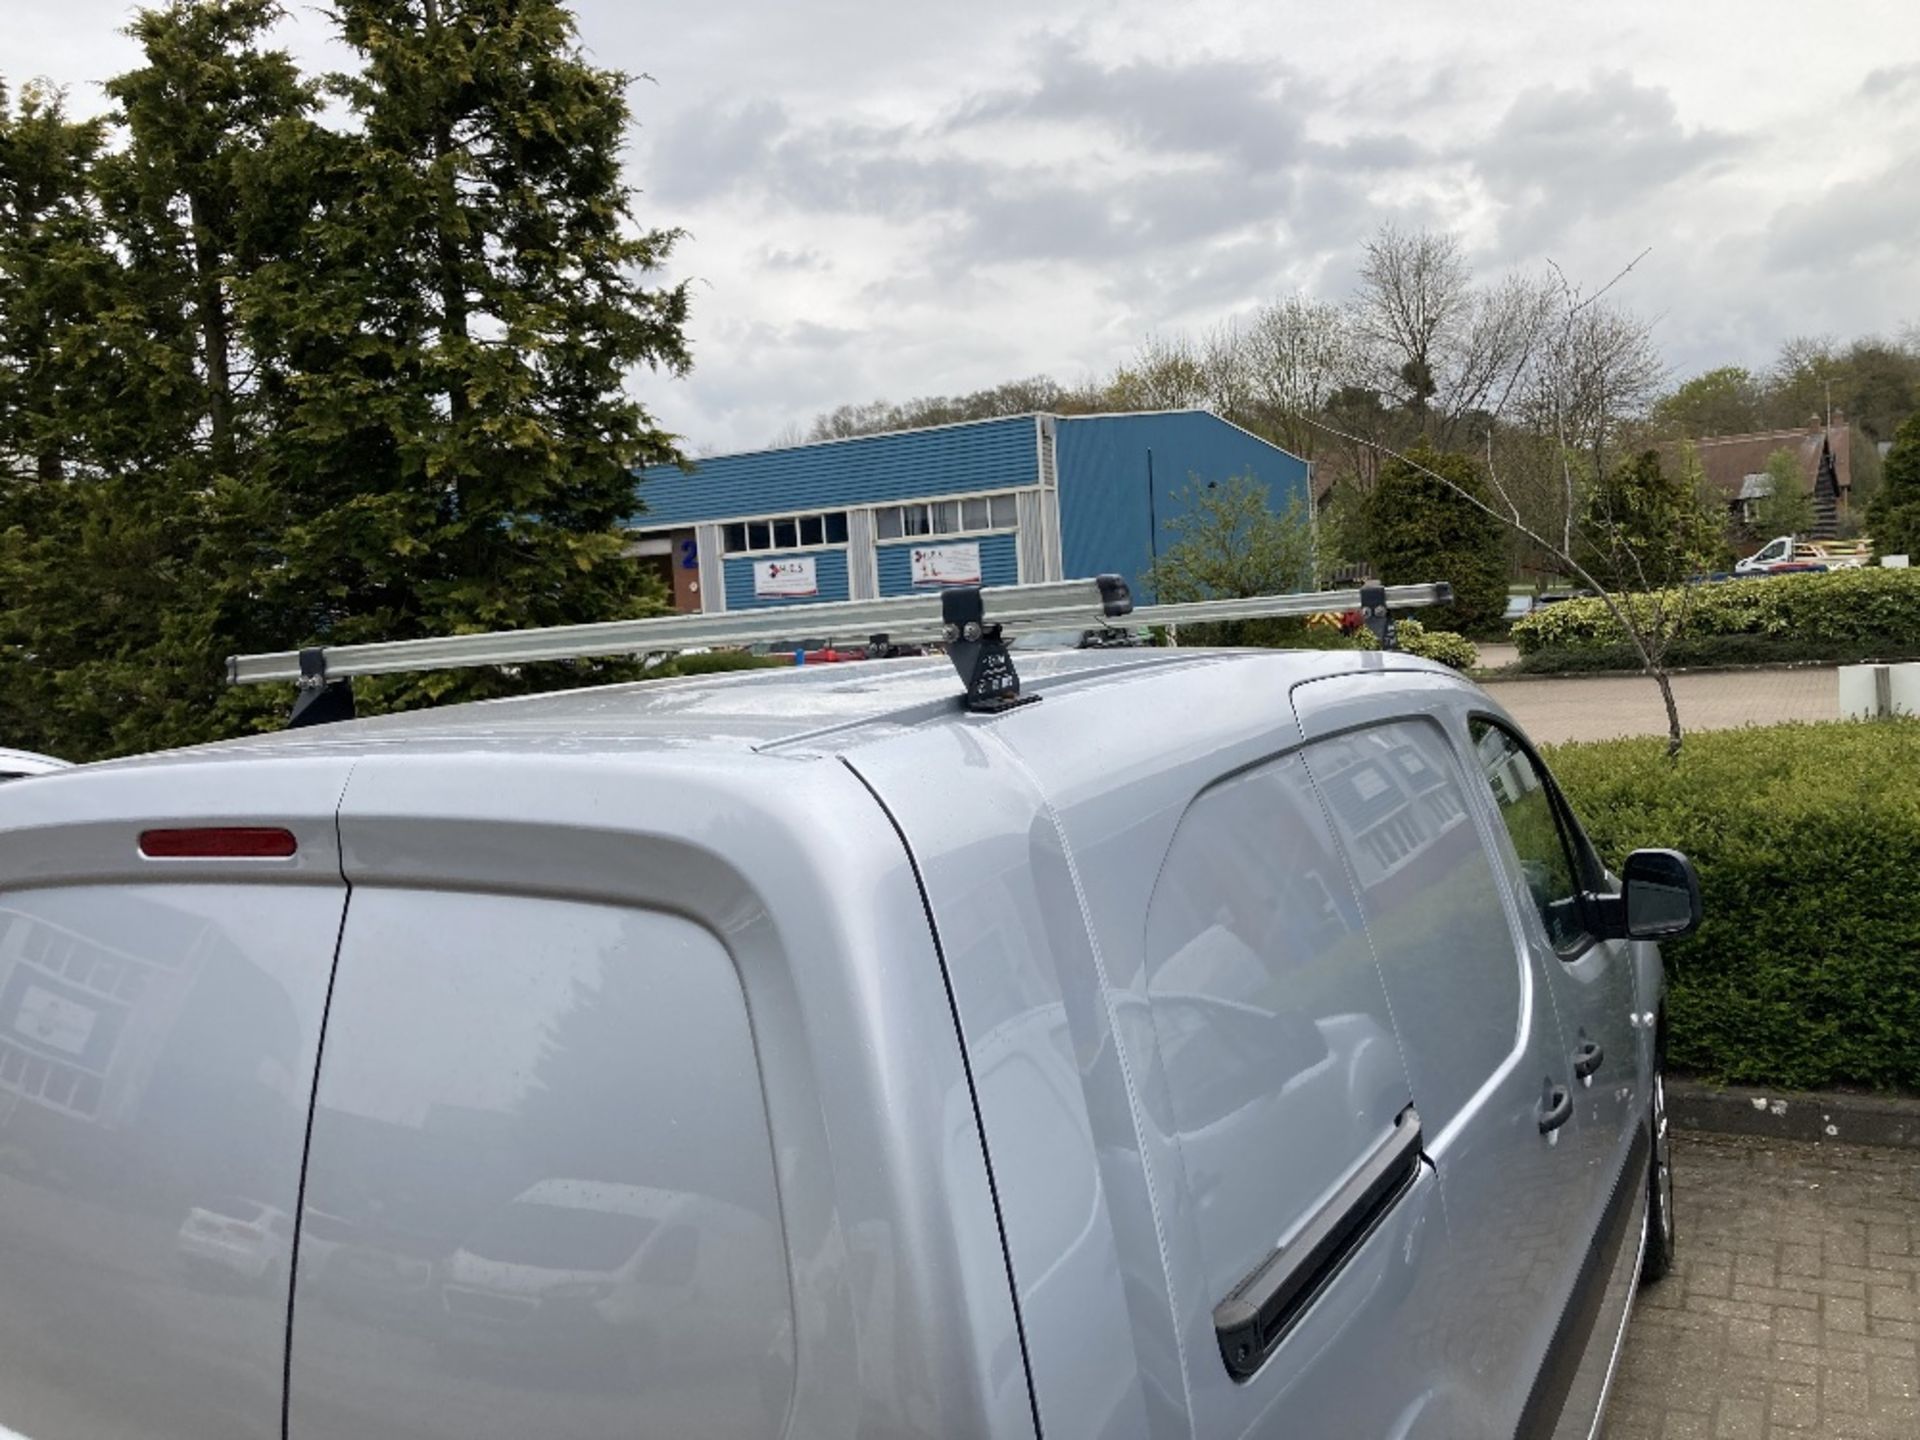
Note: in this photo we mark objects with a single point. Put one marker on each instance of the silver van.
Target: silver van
(1232, 1044)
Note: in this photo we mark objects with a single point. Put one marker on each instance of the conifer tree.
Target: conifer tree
(456, 332)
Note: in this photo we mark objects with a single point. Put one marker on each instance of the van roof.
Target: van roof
(806, 710)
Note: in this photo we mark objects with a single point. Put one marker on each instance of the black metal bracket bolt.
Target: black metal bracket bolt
(1373, 610)
(321, 701)
(979, 653)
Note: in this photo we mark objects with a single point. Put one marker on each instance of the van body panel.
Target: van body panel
(901, 1317)
(1042, 868)
(159, 1022)
(1054, 1100)
(1528, 1209)
(1597, 988)
(1121, 794)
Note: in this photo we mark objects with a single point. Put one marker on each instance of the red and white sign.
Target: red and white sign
(785, 579)
(946, 565)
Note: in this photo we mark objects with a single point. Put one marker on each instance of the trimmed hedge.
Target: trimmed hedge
(1709, 650)
(1864, 611)
(1806, 971)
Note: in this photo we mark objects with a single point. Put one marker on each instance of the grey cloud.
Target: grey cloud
(1560, 155)
(1856, 224)
(707, 151)
(793, 260)
(1889, 81)
(1206, 152)
(1253, 111)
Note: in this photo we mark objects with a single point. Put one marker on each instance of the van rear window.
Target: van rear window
(540, 1128)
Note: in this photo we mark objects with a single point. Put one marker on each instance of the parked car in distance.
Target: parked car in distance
(235, 1238)
(1787, 554)
(18, 764)
(1223, 1043)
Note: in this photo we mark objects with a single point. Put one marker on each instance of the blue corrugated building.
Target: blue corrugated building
(1016, 500)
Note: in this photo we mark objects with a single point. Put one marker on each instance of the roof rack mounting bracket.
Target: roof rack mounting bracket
(1116, 599)
(1373, 610)
(1379, 619)
(321, 701)
(979, 653)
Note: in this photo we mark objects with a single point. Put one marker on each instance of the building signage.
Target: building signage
(946, 564)
(785, 579)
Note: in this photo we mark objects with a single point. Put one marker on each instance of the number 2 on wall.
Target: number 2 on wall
(689, 555)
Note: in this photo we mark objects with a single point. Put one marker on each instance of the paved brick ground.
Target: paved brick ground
(1794, 1309)
(1601, 707)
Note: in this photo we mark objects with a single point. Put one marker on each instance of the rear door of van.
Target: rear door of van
(641, 1113)
(166, 936)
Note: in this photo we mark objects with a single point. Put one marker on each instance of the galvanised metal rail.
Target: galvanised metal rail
(908, 619)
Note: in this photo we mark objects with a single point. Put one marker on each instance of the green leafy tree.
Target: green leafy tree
(455, 328)
(1229, 542)
(1644, 529)
(1787, 509)
(1893, 521)
(1874, 382)
(1726, 401)
(1423, 523)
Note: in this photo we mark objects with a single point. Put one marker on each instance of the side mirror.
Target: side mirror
(1660, 896)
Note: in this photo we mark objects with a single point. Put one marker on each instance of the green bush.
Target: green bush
(1442, 645)
(1709, 650)
(1871, 608)
(1806, 972)
(1419, 529)
(1893, 519)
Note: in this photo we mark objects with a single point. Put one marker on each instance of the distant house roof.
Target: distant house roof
(1732, 461)
(1754, 487)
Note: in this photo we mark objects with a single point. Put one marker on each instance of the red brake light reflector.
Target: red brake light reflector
(225, 842)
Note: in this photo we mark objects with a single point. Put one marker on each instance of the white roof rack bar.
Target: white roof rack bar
(906, 619)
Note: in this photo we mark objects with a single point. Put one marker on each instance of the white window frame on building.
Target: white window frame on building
(947, 516)
(778, 534)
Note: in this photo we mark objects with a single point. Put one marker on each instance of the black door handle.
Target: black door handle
(1556, 1109)
(1587, 1056)
(1251, 1321)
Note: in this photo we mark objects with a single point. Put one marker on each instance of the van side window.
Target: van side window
(1534, 824)
(1281, 1066)
(1431, 897)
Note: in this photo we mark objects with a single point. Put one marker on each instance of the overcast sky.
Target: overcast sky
(888, 199)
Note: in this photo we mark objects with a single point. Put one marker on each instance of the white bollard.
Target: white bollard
(1872, 692)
